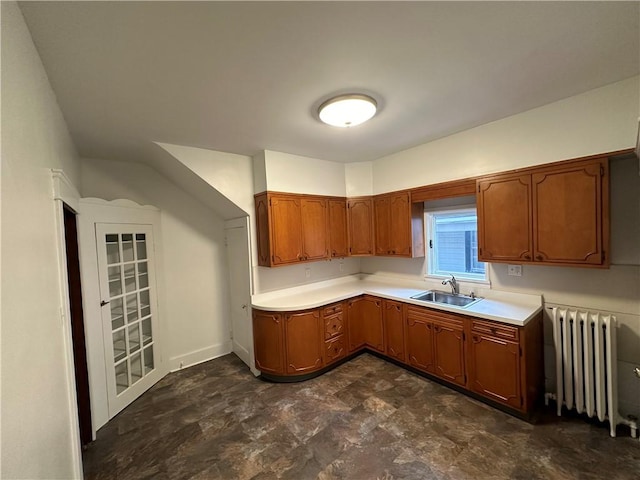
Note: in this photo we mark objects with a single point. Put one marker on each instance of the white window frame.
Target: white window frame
(431, 270)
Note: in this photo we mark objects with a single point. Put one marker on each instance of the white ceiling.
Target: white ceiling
(244, 77)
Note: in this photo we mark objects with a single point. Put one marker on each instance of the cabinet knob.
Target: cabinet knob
(539, 257)
(527, 257)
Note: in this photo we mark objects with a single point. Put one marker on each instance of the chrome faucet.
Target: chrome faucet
(455, 289)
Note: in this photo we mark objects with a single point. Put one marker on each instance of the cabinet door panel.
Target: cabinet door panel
(360, 218)
(394, 329)
(314, 229)
(382, 215)
(400, 224)
(338, 244)
(286, 230)
(333, 326)
(449, 353)
(263, 230)
(373, 323)
(504, 218)
(335, 350)
(567, 216)
(268, 334)
(304, 340)
(495, 369)
(419, 343)
(355, 324)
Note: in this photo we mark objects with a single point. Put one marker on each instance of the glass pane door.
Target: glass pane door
(128, 309)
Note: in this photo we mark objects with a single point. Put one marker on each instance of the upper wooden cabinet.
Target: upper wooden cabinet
(291, 228)
(399, 225)
(556, 215)
(338, 243)
(360, 220)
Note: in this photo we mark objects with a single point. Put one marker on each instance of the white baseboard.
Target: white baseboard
(198, 356)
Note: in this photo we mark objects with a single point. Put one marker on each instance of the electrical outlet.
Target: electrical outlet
(514, 270)
(307, 273)
(341, 266)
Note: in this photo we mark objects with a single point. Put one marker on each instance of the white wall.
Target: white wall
(358, 179)
(296, 174)
(598, 121)
(37, 406)
(601, 120)
(195, 262)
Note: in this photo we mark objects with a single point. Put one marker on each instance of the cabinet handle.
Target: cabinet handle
(493, 330)
(475, 338)
(437, 328)
(539, 257)
(527, 257)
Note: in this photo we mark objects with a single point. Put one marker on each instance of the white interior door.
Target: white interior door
(240, 291)
(126, 272)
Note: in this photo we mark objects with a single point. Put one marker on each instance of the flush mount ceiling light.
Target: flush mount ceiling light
(347, 110)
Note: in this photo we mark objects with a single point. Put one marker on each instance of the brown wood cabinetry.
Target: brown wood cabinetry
(338, 244)
(335, 345)
(556, 215)
(268, 342)
(366, 326)
(291, 228)
(394, 325)
(360, 221)
(399, 225)
(419, 339)
(506, 362)
(303, 341)
(435, 343)
(500, 362)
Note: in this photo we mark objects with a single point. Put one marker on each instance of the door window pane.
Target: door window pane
(141, 246)
(122, 377)
(143, 275)
(145, 307)
(148, 359)
(119, 346)
(115, 281)
(117, 314)
(113, 250)
(146, 331)
(136, 368)
(127, 247)
(130, 277)
(132, 307)
(134, 338)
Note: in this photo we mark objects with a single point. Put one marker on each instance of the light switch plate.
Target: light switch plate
(514, 270)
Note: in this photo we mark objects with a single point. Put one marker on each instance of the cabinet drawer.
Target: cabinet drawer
(333, 326)
(332, 309)
(495, 329)
(334, 349)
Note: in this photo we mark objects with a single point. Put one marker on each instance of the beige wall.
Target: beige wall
(38, 402)
(195, 261)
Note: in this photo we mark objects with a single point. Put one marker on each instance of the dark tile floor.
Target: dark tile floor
(368, 419)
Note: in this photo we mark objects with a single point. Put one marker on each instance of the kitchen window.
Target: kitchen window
(452, 244)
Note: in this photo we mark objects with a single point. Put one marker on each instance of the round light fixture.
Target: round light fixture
(347, 110)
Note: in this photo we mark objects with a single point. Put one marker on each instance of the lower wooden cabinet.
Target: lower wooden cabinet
(435, 343)
(394, 325)
(366, 327)
(268, 342)
(502, 363)
(419, 343)
(304, 334)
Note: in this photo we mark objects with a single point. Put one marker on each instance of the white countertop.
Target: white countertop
(512, 308)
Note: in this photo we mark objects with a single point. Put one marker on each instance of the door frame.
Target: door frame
(92, 211)
(64, 192)
(243, 351)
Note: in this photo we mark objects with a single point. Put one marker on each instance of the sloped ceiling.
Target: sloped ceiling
(241, 77)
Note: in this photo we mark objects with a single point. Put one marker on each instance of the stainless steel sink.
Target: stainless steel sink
(437, 296)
